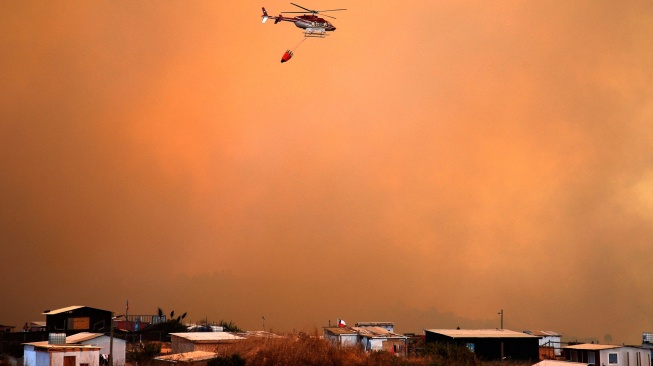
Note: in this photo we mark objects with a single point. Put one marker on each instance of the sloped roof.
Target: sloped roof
(82, 337)
(543, 333)
(188, 356)
(591, 346)
(207, 337)
(63, 310)
(558, 363)
(46, 345)
(371, 332)
(480, 333)
(341, 330)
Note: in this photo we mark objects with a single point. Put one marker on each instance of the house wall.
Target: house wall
(29, 356)
(181, 345)
(92, 358)
(119, 348)
(39, 357)
(526, 349)
(626, 356)
(70, 322)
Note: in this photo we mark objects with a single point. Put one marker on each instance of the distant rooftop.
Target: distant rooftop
(480, 333)
(543, 333)
(591, 346)
(188, 356)
(206, 337)
(62, 310)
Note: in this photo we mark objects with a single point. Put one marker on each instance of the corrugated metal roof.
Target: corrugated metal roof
(543, 333)
(188, 356)
(341, 330)
(480, 333)
(63, 310)
(591, 346)
(371, 332)
(208, 336)
(46, 345)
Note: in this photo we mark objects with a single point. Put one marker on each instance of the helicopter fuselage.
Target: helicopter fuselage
(313, 22)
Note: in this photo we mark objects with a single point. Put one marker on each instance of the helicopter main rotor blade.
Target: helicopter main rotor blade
(322, 11)
(308, 10)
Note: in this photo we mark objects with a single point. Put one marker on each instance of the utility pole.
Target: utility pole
(111, 339)
(501, 314)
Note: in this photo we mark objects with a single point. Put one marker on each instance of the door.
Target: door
(69, 360)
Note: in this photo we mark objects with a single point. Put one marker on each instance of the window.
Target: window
(613, 358)
(471, 347)
(574, 356)
(591, 358)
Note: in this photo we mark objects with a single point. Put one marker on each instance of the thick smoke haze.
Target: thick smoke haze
(429, 163)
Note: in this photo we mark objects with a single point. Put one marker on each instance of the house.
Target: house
(381, 339)
(75, 319)
(489, 344)
(549, 343)
(6, 328)
(608, 355)
(369, 338)
(104, 342)
(55, 353)
(201, 341)
(82, 348)
(36, 326)
(195, 358)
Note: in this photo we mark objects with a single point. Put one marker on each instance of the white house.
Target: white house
(81, 349)
(369, 338)
(608, 355)
(46, 354)
(102, 341)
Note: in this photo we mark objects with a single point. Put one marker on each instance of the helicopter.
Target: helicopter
(313, 25)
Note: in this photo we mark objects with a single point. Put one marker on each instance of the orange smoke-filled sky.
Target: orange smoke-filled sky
(428, 163)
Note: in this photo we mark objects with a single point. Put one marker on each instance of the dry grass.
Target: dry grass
(314, 351)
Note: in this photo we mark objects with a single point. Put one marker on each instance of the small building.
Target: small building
(36, 326)
(195, 358)
(341, 336)
(489, 344)
(549, 343)
(6, 328)
(201, 341)
(104, 342)
(49, 354)
(369, 338)
(605, 354)
(380, 339)
(75, 319)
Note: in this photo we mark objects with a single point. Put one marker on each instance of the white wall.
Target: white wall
(40, 357)
(627, 356)
(29, 356)
(119, 348)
